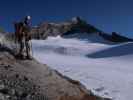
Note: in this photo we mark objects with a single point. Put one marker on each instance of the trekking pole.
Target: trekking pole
(15, 44)
(31, 48)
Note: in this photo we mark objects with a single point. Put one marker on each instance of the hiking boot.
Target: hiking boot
(29, 57)
(20, 56)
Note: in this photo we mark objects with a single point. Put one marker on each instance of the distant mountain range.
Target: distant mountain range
(75, 25)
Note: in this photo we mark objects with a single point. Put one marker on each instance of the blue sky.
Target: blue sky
(107, 15)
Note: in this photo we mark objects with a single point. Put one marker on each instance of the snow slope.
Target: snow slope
(105, 69)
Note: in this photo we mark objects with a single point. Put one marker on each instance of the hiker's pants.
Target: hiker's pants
(24, 45)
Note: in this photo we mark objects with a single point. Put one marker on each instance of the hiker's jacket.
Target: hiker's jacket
(22, 31)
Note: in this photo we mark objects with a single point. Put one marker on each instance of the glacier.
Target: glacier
(107, 70)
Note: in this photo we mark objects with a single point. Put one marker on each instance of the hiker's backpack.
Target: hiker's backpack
(21, 31)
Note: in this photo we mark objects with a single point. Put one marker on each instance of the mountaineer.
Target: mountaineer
(23, 37)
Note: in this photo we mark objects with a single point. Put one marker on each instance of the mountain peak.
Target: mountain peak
(76, 19)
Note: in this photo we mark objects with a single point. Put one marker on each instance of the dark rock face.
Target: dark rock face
(115, 37)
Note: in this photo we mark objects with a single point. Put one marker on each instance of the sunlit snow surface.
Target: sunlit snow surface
(105, 69)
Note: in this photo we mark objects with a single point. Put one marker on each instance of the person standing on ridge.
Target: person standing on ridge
(23, 36)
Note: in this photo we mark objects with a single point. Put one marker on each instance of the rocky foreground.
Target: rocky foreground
(30, 80)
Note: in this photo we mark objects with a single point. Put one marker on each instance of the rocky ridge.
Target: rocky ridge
(75, 25)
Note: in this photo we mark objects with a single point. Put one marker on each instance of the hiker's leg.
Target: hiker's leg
(21, 47)
(27, 44)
